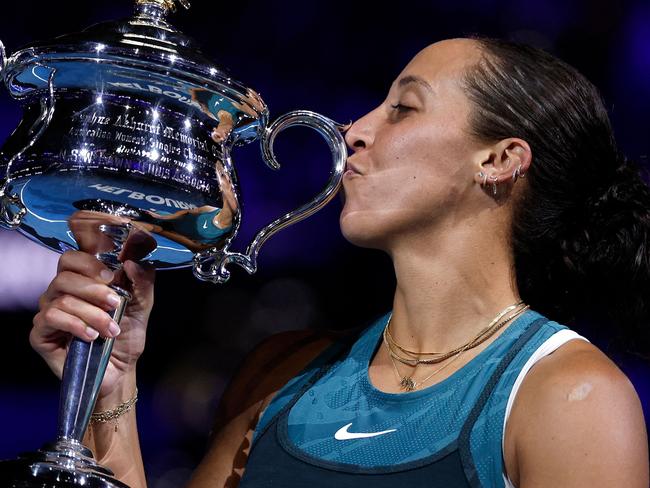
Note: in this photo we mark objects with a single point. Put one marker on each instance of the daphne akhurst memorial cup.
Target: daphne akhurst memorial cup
(125, 150)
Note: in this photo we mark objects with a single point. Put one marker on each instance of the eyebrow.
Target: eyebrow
(414, 79)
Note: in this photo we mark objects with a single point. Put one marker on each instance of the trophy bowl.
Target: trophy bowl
(124, 151)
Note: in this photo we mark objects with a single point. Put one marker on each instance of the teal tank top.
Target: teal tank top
(406, 427)
(198, 227)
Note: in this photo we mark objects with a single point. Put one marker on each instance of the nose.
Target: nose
(359, 135)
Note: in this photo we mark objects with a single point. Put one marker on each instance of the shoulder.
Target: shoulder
(269, 366)
(578, 421)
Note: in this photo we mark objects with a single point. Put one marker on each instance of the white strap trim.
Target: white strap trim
(547, 347)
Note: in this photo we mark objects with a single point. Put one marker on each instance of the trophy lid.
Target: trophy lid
(125, 52)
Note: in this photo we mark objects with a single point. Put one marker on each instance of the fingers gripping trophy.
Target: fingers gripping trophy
(124, 151)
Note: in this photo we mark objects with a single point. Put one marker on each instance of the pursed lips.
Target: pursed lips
(350, 167)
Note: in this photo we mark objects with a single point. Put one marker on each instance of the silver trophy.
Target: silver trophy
(124, 150)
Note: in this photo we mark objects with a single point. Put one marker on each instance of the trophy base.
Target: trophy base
(63, 464)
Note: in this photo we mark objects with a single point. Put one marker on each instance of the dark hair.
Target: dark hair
(580, 232)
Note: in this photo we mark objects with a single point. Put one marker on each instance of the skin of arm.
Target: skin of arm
(224, 128)
(118, 449)
(264, 372)
(577, 422)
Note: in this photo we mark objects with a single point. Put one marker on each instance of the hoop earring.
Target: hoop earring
(517, 173)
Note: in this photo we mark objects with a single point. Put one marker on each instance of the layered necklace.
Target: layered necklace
(413, 358)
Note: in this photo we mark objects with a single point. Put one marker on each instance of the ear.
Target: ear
(498, 163)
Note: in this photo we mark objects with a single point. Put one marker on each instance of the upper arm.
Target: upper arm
(580, 424)
(264, 371)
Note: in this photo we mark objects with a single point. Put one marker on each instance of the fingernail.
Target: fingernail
(92, 333)
(113, 300)
(106, 275)
(114, 329)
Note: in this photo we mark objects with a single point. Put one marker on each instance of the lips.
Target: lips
(350, 167)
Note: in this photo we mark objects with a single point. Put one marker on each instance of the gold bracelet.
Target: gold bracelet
(114, 414)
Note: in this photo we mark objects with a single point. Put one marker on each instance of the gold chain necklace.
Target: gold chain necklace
(416, 353)
(407, 383)
(481, 337)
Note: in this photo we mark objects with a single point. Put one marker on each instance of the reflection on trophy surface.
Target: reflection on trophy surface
(124, 151)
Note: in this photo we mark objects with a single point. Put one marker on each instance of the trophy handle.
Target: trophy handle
(12, 209)
(3, 59)
(211, 265)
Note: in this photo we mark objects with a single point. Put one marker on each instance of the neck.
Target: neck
(451, 287)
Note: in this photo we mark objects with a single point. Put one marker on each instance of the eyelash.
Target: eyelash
(401, 108)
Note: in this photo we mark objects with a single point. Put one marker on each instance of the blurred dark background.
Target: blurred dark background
(337, 58)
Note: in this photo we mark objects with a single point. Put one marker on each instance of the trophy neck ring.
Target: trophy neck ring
(163, 6)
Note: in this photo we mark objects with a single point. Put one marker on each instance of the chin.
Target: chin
(360, 230)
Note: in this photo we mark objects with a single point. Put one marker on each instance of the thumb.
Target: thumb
(141, 275)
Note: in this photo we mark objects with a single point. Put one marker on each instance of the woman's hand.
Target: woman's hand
(78, 302)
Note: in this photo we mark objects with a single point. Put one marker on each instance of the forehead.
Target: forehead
(440, 63)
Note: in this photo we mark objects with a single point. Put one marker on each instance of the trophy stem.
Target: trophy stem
(83, 373)
(66, 463)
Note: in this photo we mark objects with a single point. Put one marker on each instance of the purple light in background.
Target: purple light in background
(26, 418)
(540, 19)
(638, 46)
(631, 82)
(26, 271)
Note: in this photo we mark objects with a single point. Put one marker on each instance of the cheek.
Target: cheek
(427, 162)
(415, 176)
(384, 204)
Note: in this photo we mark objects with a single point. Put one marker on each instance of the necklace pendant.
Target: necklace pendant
(407, 384)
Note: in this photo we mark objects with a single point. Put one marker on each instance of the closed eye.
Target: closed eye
(401, 108)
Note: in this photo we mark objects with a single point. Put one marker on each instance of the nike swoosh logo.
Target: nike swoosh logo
(205, 225)
(343, 435)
